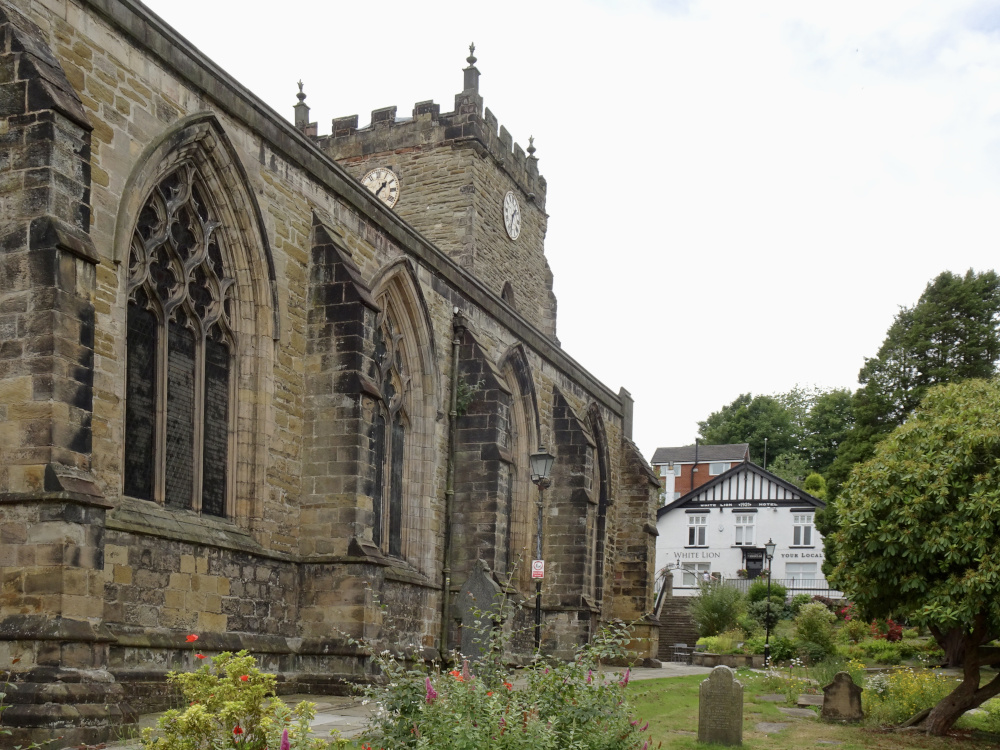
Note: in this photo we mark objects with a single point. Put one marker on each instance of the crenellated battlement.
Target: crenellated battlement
(469, 122)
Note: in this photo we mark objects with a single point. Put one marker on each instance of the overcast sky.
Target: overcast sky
(741, 195)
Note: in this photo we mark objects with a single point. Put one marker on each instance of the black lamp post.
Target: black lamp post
(769, 552)
(541, 467)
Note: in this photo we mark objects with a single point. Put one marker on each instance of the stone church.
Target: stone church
(275, 388)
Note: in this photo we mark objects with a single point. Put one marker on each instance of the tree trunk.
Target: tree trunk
(944, 715)
(953, 645)
(968, 694)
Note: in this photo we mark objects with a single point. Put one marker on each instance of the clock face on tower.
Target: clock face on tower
(384, 183)
(511, 215)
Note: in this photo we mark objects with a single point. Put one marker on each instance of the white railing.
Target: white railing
(813, 586)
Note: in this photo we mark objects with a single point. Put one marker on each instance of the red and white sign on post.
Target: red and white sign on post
(538, 568)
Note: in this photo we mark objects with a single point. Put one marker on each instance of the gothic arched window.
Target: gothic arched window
(389, 435)
(180, 345)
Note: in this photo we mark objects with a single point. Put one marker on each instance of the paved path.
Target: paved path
(348, 715)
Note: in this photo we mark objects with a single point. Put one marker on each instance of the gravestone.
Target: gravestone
(479, 602)
(842, 699)
(720, 708)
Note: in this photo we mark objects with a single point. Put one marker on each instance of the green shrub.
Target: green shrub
(812, 653)
(782, 648)
(797, 602)
(991, 716)
(749, 625)
(754, 645)
(881, 652)
(814, 630)
(854, 631)
(230, 706)
(559, 705)
(758, 591)
(760, 612)
(716, 608)
(892, 698)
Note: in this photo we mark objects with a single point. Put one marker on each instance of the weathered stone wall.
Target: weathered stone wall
(292, 571)
(454, 171)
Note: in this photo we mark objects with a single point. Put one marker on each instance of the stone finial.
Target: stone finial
(471, 72)
(531, 147)
(301, 110)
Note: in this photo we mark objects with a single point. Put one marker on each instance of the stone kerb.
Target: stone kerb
(842, 699)
(720, 708)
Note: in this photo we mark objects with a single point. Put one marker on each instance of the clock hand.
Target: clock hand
(381, 188)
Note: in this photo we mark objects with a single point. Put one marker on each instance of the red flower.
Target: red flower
(244, 678)
(192, 638)
(200, 656)
(237, 729)
(508, 686)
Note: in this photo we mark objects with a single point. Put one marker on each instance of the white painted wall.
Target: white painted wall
(722, 555)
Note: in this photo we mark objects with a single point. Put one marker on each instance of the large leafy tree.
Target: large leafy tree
(828, 422)
(919, 523)
(949, 335)
(751, 419)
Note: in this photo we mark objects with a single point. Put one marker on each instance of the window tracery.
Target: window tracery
(390, 428)
(180, 343)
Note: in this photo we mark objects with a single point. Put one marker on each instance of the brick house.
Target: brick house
(245, 395)
(688, 467)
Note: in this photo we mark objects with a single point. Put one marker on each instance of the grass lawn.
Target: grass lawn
(671, 707)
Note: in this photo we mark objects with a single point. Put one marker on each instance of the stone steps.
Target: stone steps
(676, 626)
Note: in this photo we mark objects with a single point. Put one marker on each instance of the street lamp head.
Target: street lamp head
(769, 549)
(541, 466)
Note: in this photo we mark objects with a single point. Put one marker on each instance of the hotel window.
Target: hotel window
(802, 527)
(801, 572)
(694, 572)
(697, 530)
(718, 467)
(744, 530)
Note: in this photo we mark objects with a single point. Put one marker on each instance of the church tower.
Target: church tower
(462, 182)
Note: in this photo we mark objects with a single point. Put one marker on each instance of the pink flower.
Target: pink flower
(285, 744)
(624, 680)
(431, 692)
(466, 674)
(644, 727)
(590, 676)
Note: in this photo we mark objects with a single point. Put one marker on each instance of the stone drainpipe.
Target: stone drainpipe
(459, 325)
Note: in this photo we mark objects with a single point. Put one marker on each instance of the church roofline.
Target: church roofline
(144, 28)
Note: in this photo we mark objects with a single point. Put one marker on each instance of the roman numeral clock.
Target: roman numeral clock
(383, 183)
(511, 215)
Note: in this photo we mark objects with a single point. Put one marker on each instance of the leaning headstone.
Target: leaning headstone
(720, 708)
(479, 603)
(842, 699)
